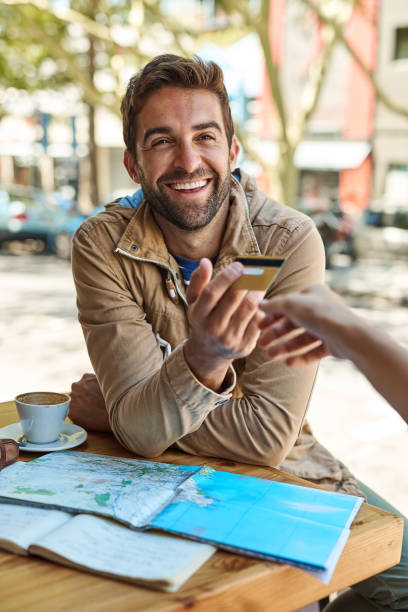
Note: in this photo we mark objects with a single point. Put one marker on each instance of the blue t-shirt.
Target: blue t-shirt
(187, 267)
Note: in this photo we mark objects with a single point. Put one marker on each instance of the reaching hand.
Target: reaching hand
(304, 327)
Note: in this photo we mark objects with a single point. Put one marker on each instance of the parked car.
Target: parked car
(25, 213)
(381, 232)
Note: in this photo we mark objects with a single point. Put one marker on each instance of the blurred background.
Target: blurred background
(319, 94)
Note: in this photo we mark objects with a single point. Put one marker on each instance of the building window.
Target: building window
(396, 184)
(401, 43)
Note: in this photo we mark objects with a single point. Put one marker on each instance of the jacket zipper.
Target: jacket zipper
(183, 299)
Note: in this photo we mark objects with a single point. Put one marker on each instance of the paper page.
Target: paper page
(23, 524)
(268, 519)
(104, 546)
(128, 490)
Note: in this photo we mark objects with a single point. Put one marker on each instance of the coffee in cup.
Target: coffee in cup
(42, 415)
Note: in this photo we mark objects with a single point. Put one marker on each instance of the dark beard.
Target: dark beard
(187, 217)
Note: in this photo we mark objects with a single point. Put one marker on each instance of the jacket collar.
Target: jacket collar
(239, 238)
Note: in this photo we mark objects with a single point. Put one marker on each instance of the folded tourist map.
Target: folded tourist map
(302, 526)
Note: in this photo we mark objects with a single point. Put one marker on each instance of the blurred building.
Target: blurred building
(43, 140)
(354, 149)
(390, 137)
(44, 143)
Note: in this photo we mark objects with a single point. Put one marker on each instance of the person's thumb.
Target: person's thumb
(200, 277)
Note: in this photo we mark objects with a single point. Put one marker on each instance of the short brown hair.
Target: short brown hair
(172, 71)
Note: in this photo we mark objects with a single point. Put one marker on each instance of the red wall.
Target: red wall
(355, 187)
(360, 95)
(358, 124)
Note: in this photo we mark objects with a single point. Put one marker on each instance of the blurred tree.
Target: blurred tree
(25, 61)
(291, 127)
(98, 44)
(331, 18)
(90, 10)
(330, 21)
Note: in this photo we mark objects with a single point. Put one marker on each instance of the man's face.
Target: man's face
(183, 161)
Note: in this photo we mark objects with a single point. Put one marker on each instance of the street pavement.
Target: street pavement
(42, 348)
(374, 282)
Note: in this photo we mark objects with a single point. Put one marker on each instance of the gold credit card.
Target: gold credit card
(259, 272)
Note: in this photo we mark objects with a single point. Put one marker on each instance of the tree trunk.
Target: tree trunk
(93, 154)
(288, 175)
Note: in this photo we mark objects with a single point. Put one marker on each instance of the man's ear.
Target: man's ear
(130, 166)
(234, 152)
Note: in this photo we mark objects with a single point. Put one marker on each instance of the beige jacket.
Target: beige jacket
(132, 308)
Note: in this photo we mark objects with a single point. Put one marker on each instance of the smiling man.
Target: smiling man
(176, 362)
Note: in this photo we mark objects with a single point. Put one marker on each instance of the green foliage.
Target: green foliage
(25, 62)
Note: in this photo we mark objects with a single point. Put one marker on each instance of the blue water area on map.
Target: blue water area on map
(279, 520)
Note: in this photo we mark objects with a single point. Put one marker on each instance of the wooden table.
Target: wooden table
(225, 582)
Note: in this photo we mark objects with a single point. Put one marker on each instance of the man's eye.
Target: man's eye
(206, 137)
(162, 141)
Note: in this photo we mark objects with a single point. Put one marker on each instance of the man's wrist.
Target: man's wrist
(209, 371)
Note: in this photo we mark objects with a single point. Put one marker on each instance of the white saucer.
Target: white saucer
(70, 436)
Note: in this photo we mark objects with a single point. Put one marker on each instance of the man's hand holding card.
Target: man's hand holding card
(224, 316)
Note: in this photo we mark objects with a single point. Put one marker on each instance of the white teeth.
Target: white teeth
(194, 185)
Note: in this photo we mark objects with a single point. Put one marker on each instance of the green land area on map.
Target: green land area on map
(127, 490)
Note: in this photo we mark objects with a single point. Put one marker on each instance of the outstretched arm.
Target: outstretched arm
(303, 327)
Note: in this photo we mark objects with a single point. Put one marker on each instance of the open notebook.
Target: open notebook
(101, 546)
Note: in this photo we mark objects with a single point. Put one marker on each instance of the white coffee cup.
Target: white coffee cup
(42, 415)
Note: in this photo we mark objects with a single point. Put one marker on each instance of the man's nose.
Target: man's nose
(187, 157)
